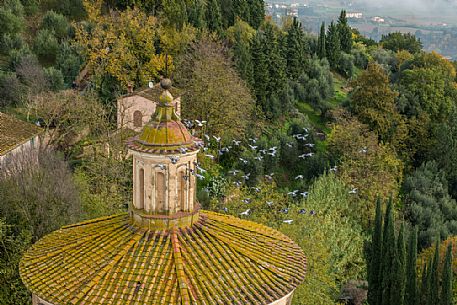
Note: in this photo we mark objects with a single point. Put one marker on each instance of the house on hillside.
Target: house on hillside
(17, 136)
(134, 109)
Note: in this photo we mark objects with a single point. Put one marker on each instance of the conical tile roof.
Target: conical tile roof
(218, 260)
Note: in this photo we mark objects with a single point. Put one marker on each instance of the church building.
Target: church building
(165, 249)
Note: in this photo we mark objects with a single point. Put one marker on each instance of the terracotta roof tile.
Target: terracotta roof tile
(219, 260)
(14, 132)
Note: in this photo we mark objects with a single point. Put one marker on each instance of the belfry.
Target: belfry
(165, 249)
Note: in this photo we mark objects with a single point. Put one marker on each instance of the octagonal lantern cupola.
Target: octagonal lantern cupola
(164, 167)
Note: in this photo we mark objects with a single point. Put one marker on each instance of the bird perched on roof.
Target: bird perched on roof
(174, 159)
(183, 150)
(161, 166)
(245, 213)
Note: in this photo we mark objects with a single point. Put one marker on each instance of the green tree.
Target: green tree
(241, 35)
(196, 13)
(446, 286)
(213, 16)
(435, 278)
(56, 23)
(389, 254)
(295, 56)
(398, 41)
(428, 204)
(411, 297)
(373, 101)
(213, 90)
(256, 13)
(332, 45)
(399, 268)
(344, 33)
(374, 259)
(261, 71)
(321, 48)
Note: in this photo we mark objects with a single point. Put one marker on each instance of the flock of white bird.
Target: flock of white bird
(261, 153)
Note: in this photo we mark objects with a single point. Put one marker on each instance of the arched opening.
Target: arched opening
(182, 186)
(160, 192)
(141, 195)
(137, 119)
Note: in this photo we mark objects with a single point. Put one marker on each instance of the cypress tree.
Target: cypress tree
(295, 57)
(213, 16)
(374, 259)
(424, 285)
(434, 284)
(345, 33)
(411, 282)
(388, 255)
(321, 52)
(243, 59)
(429, 293)
(276, 71)
(446, 288)
(398, 284)
(241, 9)
(261, 74)
(256, 13)
(196, 13)
(332, 45)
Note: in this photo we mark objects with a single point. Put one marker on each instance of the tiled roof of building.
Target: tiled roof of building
(14, 132)
(218, 260)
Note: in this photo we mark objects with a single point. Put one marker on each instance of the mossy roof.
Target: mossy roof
(164, 134)
(14, 132)
(219, 260)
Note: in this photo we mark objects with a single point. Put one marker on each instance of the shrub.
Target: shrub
(56, 23)
(46, 45)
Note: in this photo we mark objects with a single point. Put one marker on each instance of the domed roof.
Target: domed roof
(165, 133)
(220, 259)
